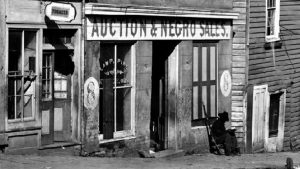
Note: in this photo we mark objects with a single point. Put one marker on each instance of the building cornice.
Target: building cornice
(134, 10)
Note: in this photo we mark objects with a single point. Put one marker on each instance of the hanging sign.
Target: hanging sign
(225, 83)
(120, 28)
(91, 93)
(60, 12)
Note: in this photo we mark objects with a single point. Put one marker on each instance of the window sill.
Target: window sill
(20, 120)
(101, 141)
(272, 39)
(198, 127)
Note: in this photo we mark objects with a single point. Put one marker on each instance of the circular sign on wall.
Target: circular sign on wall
(225, 83)
(91, 93)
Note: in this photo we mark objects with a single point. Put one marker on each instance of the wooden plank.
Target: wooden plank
(249, 119)
(3, 92)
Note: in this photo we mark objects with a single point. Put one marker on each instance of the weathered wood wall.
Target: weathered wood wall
(202, 4)
(239, 70)
(2, 72)
(281, 71)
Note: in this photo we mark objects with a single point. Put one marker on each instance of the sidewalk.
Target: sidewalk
(197, 161)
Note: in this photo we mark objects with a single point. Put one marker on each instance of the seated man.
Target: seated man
(225, 137)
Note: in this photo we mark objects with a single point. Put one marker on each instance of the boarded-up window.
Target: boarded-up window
(204, 82)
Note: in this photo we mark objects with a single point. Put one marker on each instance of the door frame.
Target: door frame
(170, 98)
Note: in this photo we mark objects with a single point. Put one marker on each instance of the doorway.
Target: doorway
(163, 101)
(57, 68)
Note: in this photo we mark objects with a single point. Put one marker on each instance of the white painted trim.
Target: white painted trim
(133, 89)
(275, 37)
(274, 144)
(110, 9)
(265, 110)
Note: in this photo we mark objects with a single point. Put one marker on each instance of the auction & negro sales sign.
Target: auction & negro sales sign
(114, 28)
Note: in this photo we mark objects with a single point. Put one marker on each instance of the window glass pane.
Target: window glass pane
(28, 104)
(107, 52)
(123, 64)
(212, 63)
(213, 112)
(29, 51)
(123, 114)
(29, 90)
(195, 103)
(46, 76)
(115, 63)
(14, 97)
(204, 63)
(274, 114)
(15, 52)
(204, 100)
(195, 64)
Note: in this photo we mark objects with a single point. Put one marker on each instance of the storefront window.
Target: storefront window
(115, 64)
(204, 82)
(21, 73)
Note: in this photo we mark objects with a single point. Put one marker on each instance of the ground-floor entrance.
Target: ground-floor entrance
(55, 104)
(163, 101)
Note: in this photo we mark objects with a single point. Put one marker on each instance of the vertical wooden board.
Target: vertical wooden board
(249, 119)
(2, 71)
(224, 64)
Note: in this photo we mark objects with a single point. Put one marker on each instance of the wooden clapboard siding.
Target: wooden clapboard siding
(285, 73)
(239, 70)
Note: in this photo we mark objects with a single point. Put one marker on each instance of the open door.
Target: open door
(260, 102)
(163, 101)
(57, 67)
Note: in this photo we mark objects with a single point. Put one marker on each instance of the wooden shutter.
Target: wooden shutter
(108, 109)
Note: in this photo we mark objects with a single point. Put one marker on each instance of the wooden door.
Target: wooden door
(260, 102)
(47, 103)
(56, 96)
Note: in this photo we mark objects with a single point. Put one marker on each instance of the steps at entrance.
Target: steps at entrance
(168, 153)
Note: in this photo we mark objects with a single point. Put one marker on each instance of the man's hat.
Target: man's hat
(224, 115)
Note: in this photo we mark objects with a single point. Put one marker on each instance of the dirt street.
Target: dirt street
(205, 161)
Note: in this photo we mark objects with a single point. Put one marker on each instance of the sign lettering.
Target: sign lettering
(104, 28)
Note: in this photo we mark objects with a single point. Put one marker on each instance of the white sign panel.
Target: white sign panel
(119, 28)
(225, 83)
(91, 93)
(60, 12)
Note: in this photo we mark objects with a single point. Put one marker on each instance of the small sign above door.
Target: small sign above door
(60, 12)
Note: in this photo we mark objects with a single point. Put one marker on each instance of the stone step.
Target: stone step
(169, 153)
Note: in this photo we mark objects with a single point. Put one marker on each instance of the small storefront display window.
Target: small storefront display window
(22, 52)
(115, 64)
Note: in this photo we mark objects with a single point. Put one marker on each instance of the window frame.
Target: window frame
(275, 36)
(132, 85)
(22, 75)
(201, 120)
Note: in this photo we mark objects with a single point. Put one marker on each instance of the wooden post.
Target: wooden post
(249, 119)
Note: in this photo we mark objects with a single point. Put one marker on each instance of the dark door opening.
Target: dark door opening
(159, 101)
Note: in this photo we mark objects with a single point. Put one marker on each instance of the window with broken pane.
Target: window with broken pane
(21, 73)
